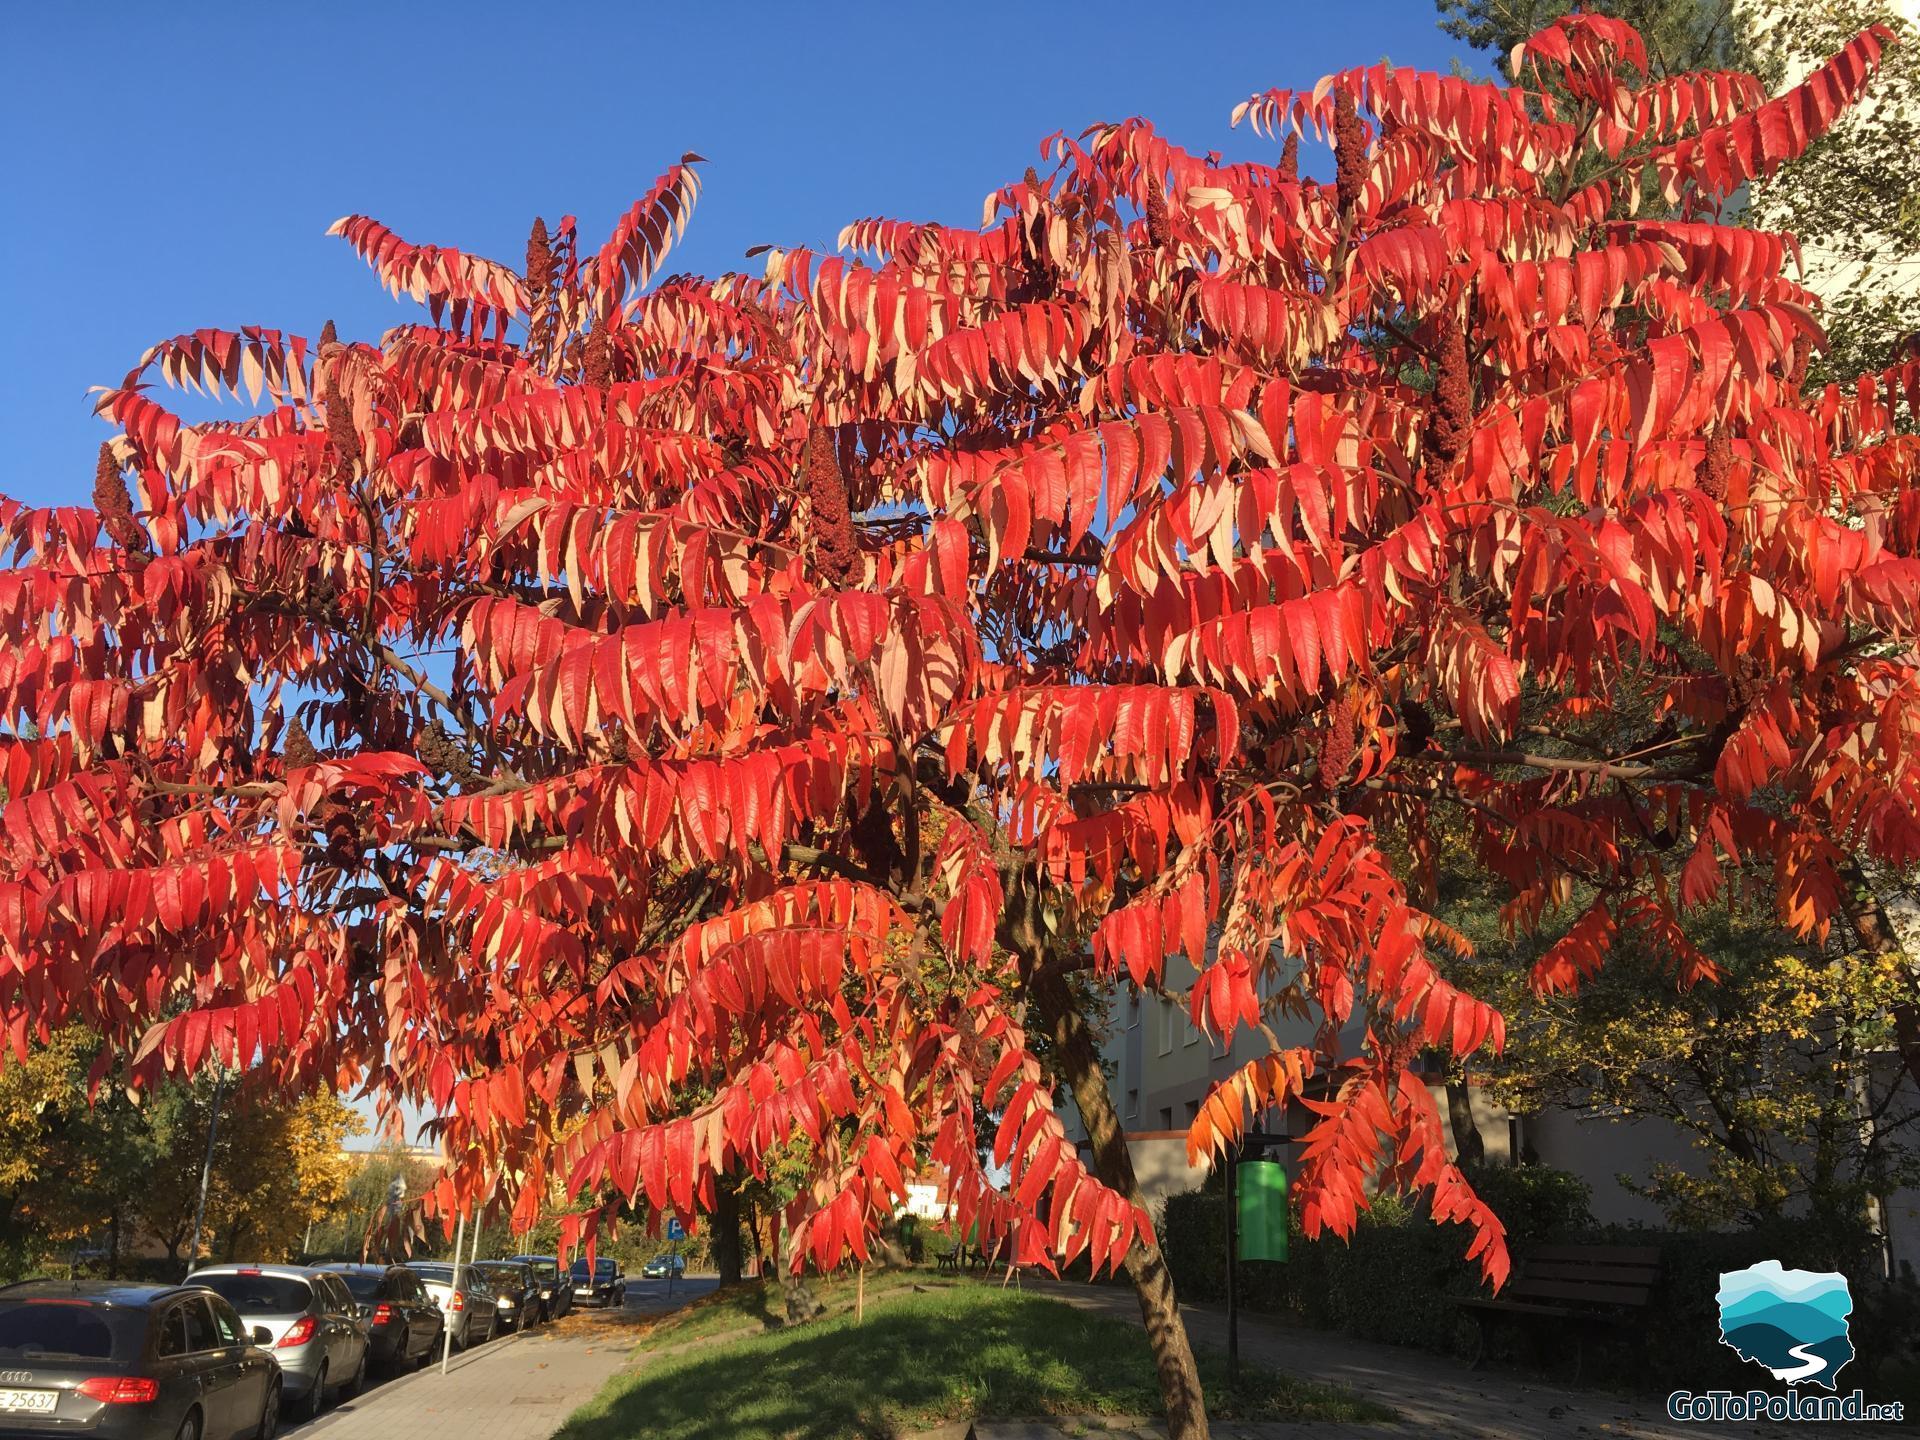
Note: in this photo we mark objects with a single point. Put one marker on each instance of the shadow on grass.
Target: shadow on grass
(918, 1361)
(739, 1307)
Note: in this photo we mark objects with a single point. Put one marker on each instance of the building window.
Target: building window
(1193, 1112)
(1193, 1030)
(1133, 1011)
(1133, 1104)
(1163, 1027)
(1166, 1117)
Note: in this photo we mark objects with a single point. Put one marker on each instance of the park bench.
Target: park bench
(974, 1259)
(1581, 1287)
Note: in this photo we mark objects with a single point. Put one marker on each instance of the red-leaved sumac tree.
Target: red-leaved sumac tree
(662, 723)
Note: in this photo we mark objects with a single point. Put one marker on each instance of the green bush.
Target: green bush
(1678, 1338)
(1397, 1281)
(1537, 1203)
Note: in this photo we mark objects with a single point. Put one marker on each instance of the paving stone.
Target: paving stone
(520, 1387)
(1435, 1397)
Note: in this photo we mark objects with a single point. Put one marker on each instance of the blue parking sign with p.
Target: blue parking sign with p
(675, 1230)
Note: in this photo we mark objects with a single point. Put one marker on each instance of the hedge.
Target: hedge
(1396, 1280)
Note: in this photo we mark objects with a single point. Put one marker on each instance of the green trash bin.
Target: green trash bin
(1261, 1189)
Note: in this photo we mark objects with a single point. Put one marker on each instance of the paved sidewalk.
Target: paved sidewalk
(1097, 1427)
(1435, 1397)
(520, 1387)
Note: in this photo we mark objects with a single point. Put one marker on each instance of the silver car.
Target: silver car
(313, 1326)
(472, 1312)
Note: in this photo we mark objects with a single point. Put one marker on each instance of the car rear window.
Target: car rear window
(363, 1284)
(44, 1329)
(259, 1294)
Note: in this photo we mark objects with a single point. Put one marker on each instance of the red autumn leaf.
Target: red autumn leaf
(677, 728)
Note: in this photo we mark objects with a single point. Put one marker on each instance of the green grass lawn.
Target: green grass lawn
(759, 1307)
(929, 1351)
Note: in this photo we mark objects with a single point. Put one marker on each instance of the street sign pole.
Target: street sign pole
(446, 1333)
(676, 1232)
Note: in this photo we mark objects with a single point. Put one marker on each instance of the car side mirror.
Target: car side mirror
(262, 1336)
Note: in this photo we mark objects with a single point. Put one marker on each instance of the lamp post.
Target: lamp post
(206, 1168)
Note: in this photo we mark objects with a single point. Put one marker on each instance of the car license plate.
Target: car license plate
(29, 1402)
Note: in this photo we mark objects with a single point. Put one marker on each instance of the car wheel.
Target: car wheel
(358, 1381)
(189, 1427)
(270, 1414)
(402, 1353)
(317, 1397)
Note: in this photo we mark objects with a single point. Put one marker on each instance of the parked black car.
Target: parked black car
(604, 1284)
(556, 1298)
(404, 1320)
(516, 1293)
(131, 1362)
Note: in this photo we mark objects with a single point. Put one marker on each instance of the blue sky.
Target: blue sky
(175, 166)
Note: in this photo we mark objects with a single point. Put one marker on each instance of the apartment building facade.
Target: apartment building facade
(1161, 1069)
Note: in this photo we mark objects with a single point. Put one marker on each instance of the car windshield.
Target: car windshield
(68, 1329)
(259, 1294)
(364, 1284)
(601, 1268)
(511, 1276)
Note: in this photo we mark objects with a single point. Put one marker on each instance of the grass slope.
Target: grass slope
(929, 1351)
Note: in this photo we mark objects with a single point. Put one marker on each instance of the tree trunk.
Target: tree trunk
(753, 1238)
(726, 1232)
(113, 1244)
(1079, 1062)
(797, 1296)
(1472, 1150)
